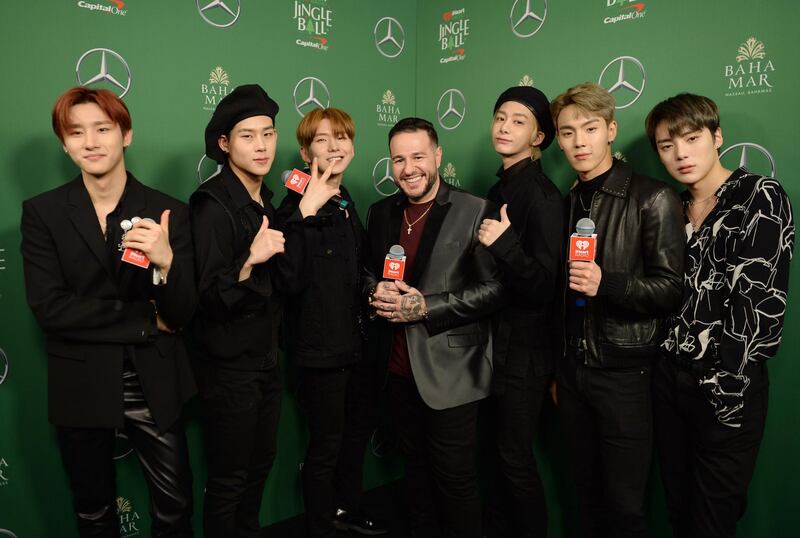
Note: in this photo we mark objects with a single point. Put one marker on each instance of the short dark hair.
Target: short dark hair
(684, 113)
(410, 125)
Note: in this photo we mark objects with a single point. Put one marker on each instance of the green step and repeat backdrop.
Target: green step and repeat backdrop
(380, 60)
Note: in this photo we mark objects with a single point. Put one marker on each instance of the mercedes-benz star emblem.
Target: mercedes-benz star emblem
(218, 13)
(310, 91)
(390, 38)
(205, 170)
(382, 177)
(122, 446)
(630, 85)
(8, 533)
(111, 74)
(3, 366)
(524, 20)
(451, 115)
(759, 163)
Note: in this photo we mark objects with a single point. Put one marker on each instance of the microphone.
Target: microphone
(583, 243)
(394, 266)
(297, 180)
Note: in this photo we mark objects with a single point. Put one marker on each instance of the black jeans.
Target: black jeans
(339, 407)
(240, 412)
(441, 475)
(87, 454)
(706, 467)
(607, 421)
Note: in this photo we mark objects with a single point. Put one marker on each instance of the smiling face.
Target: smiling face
(94, 141)
(331, 149)
(251, 147)
(515, 131)
(585, 138)
(690, 157)
(415, 165)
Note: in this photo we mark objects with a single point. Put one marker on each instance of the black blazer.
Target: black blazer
(93, 315)
(451, 351)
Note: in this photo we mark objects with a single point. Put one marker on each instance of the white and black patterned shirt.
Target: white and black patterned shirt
(735, 286)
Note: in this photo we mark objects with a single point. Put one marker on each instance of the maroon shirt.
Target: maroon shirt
(399, 363)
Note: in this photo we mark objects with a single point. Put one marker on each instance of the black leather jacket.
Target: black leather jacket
(640, 249)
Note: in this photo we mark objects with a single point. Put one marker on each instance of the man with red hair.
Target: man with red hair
(109, 277)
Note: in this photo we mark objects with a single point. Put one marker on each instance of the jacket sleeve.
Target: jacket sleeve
(658, 291)
(177, 299)
(62, 312)
(291, 268)
(483, 296)
(217, 266)
(758, 279)
(370, 275)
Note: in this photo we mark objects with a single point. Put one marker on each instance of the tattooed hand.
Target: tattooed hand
(404, 305)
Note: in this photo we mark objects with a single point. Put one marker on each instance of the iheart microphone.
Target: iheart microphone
(583, 243)
(297, 180)
(394, 266)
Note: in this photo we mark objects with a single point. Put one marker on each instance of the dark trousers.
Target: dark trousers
(517, 507)
(336, 402)
(606, 418)
(441, 476)
(87, 454)
(240, 412)
(706, 467)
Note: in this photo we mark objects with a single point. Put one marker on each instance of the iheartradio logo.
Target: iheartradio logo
(582, 244)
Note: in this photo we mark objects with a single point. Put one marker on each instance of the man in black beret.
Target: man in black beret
(235, 332)
(526, 244)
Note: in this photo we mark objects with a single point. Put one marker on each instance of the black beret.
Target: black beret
(242, 103)
(537, 102)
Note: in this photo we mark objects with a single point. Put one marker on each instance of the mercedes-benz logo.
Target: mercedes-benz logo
(205, 170)
(315, 92)
(526, 22)
(632, 83)
(382, 177)
(760, 162)
(451, 116)
(122, 446)
(8, 533)
(3, 366)
(390, 38)
(112, 74)
(220, 13)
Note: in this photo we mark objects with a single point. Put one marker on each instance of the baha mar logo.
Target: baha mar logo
(750, 74)
(627, 10)
(450, 176)
(453, 33)
(314, 19)
(111, 7)
(129, 519)
(218, 87)
(388, 111)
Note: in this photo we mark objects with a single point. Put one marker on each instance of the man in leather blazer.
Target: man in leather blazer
(114, 358)
(613, 312)
(433, 329)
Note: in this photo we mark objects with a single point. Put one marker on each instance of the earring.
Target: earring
(65, 150)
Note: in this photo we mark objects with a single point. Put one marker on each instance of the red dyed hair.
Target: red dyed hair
(108, 102)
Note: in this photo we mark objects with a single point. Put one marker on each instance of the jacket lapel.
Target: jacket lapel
(135, 205)
(431, 232)
(84, 218)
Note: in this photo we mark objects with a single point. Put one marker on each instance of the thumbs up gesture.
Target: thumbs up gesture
(266, 244)
(152, 238)
(491, 229)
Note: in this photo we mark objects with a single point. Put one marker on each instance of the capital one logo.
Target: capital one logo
(219, 13)
(582, 244)
(624, 77)
(451, 109)
(382, 178)
(527, 17)
(310, 93)
(754, 157)
(390, 38)
(205, 170)
(106, 67)
(3, 366)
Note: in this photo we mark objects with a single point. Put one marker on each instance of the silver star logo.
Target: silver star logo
(753, 157)
(316, 93)
(6, 532)
(382, 177)
(108, 72)
(3, 366)
(122, 447)
(205, 171)
(390, 38)
(218, 13)
(627, 82)
(451, 116)
(526, 22)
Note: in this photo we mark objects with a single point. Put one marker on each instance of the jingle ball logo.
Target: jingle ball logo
(388, 112)
(217, 87)
(129, 519)
(109, 7)
(453, 32)
(625, 11)
(750, 74)
(314, 20)
(450, 176)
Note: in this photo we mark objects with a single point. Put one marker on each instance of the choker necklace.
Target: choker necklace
(410, 224)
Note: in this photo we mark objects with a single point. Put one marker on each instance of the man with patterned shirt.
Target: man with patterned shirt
(710, 389)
